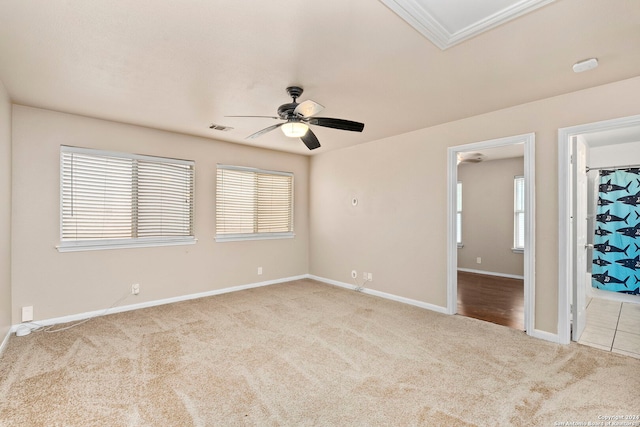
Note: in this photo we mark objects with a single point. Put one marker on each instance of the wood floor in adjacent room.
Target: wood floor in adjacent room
(494, 299)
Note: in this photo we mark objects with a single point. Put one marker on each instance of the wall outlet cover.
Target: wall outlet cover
(27, 313)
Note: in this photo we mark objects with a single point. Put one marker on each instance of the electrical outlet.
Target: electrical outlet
(354, 274)
(135, 289)
(259, 271)
(479, 260)
(27, 313)
(369, 277)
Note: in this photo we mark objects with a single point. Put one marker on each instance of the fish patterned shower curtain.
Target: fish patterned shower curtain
(616, 254)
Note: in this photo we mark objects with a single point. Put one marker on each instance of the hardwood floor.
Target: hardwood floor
(491, 298)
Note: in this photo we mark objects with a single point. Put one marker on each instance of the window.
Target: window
(253, 204)
(111, 200)
(459, 214)
(518, 213)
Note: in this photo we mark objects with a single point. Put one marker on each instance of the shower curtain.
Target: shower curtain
(616, 254)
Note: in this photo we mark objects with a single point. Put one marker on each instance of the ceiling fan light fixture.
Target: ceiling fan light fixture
(294, 129)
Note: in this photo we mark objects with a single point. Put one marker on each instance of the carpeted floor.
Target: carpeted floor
(301, 354)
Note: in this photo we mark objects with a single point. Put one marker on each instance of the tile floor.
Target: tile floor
(613, 326)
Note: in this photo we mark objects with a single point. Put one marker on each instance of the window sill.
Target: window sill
(98, 245)
(517, 250)
(261, 236)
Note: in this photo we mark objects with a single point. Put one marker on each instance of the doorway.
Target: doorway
(574, 145)
(527, 143)
(491, 235)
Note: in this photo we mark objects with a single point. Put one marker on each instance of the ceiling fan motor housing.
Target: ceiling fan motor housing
(285, 111)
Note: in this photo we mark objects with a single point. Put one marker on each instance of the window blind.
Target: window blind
(114, 197)
(164, 199)
(253, 203)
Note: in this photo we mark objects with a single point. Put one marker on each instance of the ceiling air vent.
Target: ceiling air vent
(220, 127)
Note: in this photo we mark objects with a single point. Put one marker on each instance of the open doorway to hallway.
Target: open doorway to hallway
(491, 235)
(524, 143)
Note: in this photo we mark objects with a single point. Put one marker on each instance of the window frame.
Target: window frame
(517, 247)
(234, 237)
(73, 245)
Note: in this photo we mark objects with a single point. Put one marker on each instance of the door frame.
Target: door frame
(529, 249)
(579, 209)
(566, 193)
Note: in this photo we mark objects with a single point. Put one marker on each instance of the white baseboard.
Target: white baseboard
(491, 273)
(5, 341)
(536, 333)
(611, 296)
(547, 336)
(385, 295)
(120, 309)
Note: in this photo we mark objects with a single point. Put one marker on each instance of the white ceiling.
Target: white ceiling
(614, 136)
(182, 65)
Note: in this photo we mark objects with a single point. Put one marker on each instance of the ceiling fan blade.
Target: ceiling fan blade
(263, 117)
(310, 140)
(308, 108)
(265, 130)
(337, 123)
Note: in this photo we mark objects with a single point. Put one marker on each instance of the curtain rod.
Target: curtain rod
(612, 167)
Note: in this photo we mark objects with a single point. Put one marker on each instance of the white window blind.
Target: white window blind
(253, 203)
(518, 208)
(459, 213)
(120, 200)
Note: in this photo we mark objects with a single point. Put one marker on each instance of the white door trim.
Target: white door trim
(529, 251)
(565, 243)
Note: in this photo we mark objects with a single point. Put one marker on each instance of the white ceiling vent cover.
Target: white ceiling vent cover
(220, 127)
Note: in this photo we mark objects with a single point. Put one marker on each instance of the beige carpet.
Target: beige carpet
(305, 353)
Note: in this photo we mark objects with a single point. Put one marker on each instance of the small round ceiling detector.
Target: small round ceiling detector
(586, 65)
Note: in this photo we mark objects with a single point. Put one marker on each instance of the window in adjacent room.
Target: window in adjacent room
(518, 214)
(253, 204)
(459, 214)
(112, 200)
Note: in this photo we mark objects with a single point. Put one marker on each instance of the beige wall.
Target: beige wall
(59, 284)
(398, 230)
(5, 212)
(487, 216)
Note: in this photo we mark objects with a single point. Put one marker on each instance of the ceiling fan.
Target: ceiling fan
(298, 116)
(471, 157)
